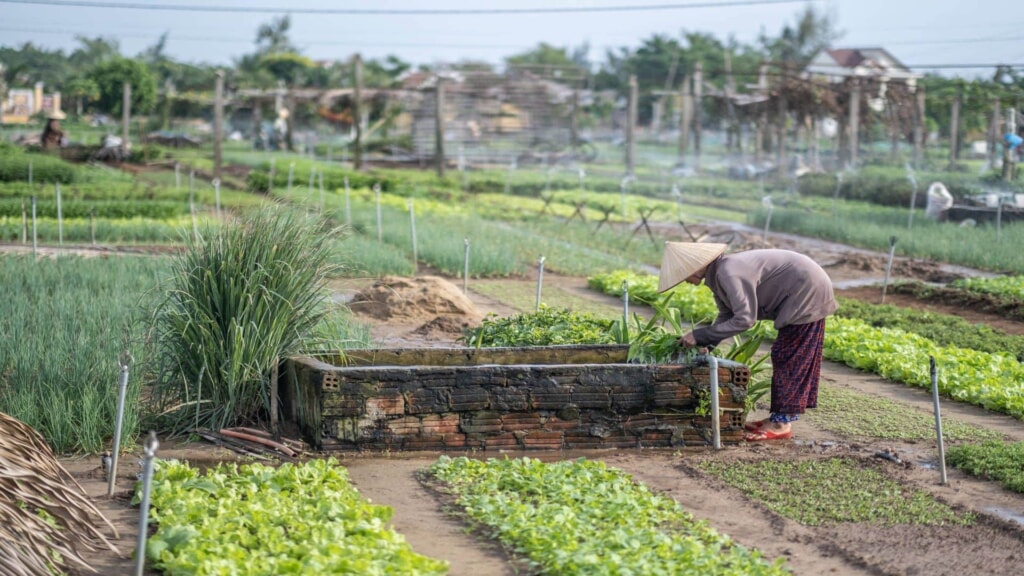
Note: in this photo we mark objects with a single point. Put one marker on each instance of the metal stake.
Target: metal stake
(767, 201)
(716, 432)
(888, 266)
(913, 200)
(121, 390)
(625, 300)
(938, 420)
(216, 195)
(623, 185)
(380, 231)
(35, 234)
(291, 174)
(540, 279)
(999, 221)
(147, 482)
(321, 191)
(60, 219)
(270, 179)
(177, 176)
(839, 184)
(465, 268)
(412, 229)
(30, 173)
(348, 205)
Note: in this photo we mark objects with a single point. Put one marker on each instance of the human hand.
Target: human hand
(687, 340)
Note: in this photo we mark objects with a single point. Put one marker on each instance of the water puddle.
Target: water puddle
(1006, 514)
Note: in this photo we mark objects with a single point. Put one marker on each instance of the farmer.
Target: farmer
(53, 136)
(778, 285)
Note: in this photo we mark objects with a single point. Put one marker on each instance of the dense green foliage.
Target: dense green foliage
(696, 304)
(993, 381)
(257, 520)
(833, 490)
(545, 327)
(992, 460)
(581, 517)
(890, 186)
(943, 329)
(1004, 286)
(15, 166)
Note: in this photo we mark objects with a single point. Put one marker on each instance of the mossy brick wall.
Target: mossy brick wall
(506, 398)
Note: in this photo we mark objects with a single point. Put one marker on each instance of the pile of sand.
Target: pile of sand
(428, 303)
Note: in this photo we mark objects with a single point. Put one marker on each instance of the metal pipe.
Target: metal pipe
(216, 195)
(888, 266)
(147, 481)
(121, 390)
(625, 310)
(938, 420)
(35, 229)
(465, 268)
(716, 425)
(412, 229)
(60, 218)
(540, 279)
(348, 205)
(380, 229)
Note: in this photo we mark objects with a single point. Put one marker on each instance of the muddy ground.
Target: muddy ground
(431, 312)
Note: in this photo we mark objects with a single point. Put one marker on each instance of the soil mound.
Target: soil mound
(430, 302)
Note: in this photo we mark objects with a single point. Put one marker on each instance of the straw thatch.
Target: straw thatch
(46, 519)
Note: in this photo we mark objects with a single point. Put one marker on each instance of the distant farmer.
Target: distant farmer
(778, 285)
(279, 139)
(53, 136)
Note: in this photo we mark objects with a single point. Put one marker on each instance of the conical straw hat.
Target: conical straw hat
(682, 259)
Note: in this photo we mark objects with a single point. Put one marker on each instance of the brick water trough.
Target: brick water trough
(550, 397)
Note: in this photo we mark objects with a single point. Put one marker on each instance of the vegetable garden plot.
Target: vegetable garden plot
(257, 520)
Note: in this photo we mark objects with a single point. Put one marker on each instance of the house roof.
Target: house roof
(859, 62)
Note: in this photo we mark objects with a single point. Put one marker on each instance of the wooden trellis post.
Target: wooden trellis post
(218, 123)
(854, 122)
(954, 129)
(357, 111)
(919, 133)
(439, 127)
(698, 91)
(631, 119)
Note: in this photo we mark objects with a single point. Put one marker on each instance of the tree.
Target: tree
(550, 62)
(25, 66)
(81, 90)
(798, 43)
(110, 77)
(272, 38)
(93, 51)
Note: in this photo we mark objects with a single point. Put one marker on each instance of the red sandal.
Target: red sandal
(764, 434)
(754, 426)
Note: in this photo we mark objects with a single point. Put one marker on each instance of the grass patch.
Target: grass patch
(992, 460)
(851, 413)
(820, 492)
(64, 324)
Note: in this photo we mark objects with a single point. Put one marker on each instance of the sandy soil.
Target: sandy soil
(993, 545)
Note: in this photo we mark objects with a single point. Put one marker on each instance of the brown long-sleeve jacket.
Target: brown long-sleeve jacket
(780, 285)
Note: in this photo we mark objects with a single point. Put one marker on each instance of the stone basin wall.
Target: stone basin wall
(551, 397)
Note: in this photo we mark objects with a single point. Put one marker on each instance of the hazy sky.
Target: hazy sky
(918, 32)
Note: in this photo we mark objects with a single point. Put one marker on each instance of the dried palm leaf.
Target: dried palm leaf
(46, 519)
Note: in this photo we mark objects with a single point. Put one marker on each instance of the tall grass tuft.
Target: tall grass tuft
(243, 297)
